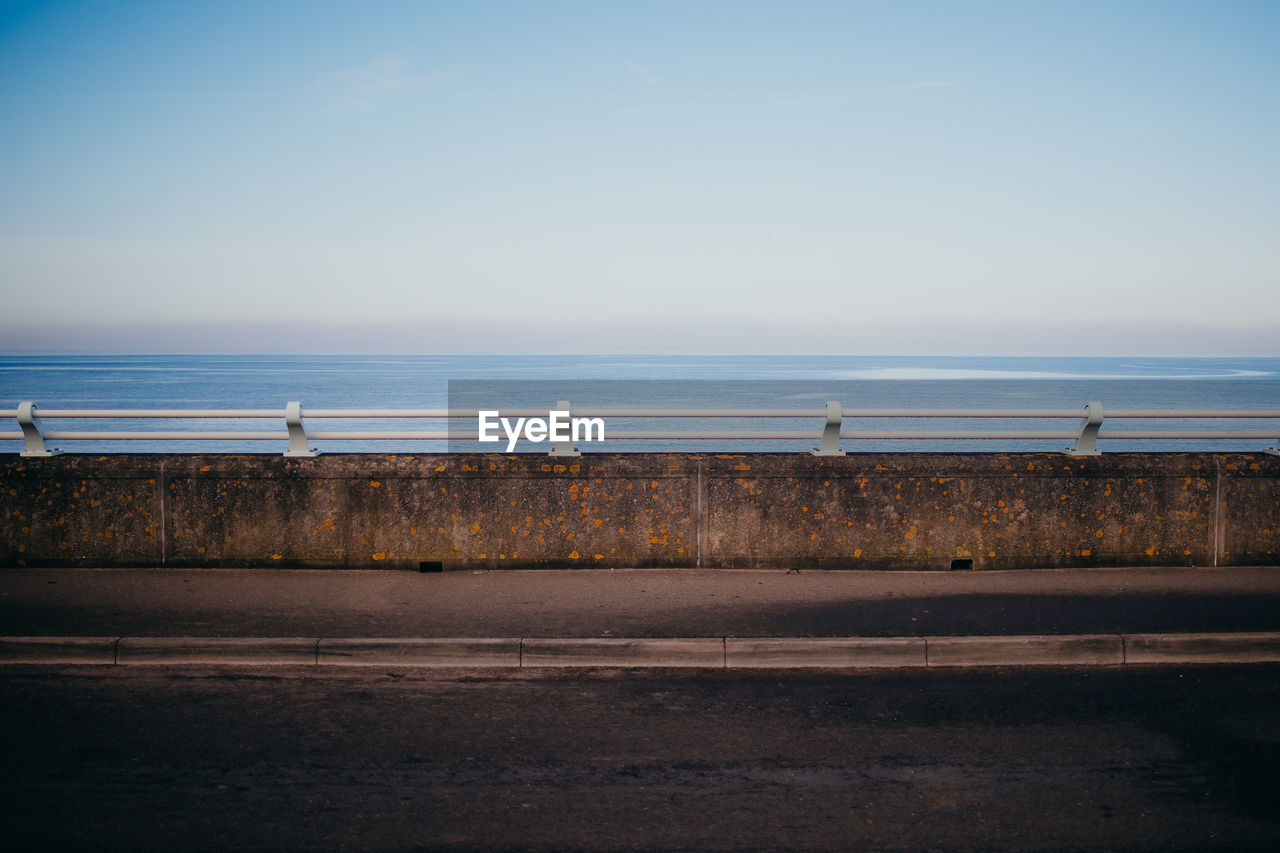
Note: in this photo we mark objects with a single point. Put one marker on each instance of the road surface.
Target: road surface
(275, 758)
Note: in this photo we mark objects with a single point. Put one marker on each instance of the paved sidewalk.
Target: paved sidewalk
(641, 603)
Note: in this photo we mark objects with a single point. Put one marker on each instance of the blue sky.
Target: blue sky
(1002, 178)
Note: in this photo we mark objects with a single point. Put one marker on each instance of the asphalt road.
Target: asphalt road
(280, 759)
(635, 603)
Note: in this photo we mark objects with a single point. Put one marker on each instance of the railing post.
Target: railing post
(1087, 441)
(31, 432)
(297, 433)
(830, 445)
(565, 448)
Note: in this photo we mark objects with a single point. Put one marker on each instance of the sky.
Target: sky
(1071, 178)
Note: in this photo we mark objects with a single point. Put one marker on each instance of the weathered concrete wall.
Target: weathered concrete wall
(884, 511)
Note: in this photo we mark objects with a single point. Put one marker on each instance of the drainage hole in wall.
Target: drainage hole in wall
(430, 566)
(961, 565)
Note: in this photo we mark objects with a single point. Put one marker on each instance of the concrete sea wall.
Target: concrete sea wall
(874, 511)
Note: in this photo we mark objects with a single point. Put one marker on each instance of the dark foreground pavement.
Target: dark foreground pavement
(634, 603)
(378, 759)
(402, 757)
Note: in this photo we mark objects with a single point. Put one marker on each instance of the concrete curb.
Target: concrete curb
(419, 652)
(701, 652)
(1202, 648)
(95, 650)
(1043, 650)
(231, 650)
(789, 652)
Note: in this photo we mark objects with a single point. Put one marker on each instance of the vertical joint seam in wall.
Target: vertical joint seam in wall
(1217, 509)
(164, 514)
(698, 521)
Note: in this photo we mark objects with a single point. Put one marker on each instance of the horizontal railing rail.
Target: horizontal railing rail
(33, 431)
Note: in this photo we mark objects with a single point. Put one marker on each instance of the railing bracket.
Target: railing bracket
(297, 433)
(564, 448)
(1087, 441)
(830, 445)
(31, 432)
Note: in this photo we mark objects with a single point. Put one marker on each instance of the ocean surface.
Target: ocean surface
(785, 381)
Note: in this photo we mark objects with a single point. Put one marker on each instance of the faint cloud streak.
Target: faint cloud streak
(918, 86)
(645, 75)
(364, 86)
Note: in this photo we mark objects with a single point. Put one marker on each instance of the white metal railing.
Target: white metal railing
(1084, 436)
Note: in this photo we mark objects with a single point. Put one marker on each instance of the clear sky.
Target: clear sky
(844, 177)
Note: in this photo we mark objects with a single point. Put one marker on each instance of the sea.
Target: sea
(703, 381)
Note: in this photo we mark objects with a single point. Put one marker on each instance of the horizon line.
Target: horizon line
(617, 353)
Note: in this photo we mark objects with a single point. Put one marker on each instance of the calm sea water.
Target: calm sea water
(421, 381)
